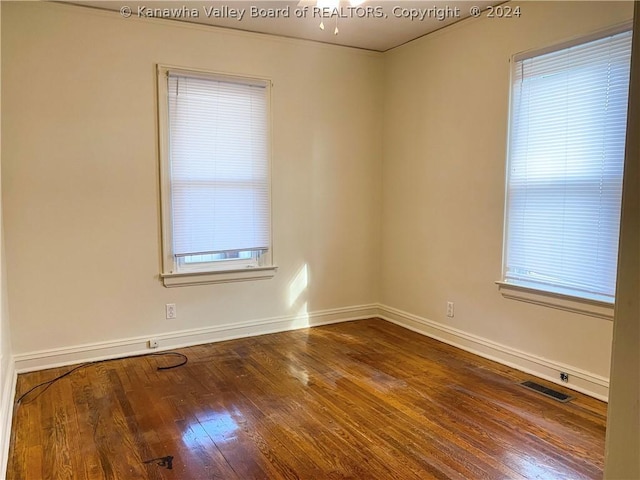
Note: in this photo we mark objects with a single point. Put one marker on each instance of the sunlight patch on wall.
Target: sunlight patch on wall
(298, 285)
(297, 297)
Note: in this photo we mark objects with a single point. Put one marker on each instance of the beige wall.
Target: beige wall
(623, 419)
(6, 360)
(80, 180)
(445, 130)
(5, 331)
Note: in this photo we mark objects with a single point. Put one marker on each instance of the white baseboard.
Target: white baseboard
(579, 380)
(6, 415)
(43, 359)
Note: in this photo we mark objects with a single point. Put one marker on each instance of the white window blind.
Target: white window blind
(219, 168)
(566, 155)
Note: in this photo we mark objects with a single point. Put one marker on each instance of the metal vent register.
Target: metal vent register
(549, 392)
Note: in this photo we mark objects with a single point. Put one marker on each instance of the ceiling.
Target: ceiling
(372, 25)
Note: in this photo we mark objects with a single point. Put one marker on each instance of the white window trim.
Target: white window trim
(266, 267)
(220, 276)
(560, 301)
(537, 296)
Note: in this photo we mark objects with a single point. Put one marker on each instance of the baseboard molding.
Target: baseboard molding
(580, 380)
(57, 357)
(6, 415)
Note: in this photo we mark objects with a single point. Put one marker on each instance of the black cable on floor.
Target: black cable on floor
(48, 383)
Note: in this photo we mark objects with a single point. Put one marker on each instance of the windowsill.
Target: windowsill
(593, 308)
(221, 276)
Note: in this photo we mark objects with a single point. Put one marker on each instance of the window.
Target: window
(565, 165)
(215, 177)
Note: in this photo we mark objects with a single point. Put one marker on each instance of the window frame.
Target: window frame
(554, 297)
(173, 272)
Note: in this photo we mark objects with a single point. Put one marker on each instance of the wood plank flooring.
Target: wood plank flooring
(357, 400)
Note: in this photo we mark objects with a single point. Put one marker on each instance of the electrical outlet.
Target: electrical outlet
(450, 309)
(153, 343)
(170, 310)
(564, 377)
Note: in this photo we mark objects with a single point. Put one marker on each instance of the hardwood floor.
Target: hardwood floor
(357, 400)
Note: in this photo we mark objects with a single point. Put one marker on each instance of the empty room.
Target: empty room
(319, 240)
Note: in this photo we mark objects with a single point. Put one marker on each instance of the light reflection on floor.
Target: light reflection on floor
(300, 374)
(530, 467)
(220, 427)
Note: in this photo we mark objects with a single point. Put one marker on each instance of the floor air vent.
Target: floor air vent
(561, 397)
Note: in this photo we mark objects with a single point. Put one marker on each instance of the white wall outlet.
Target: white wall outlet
(153, 343)
(170, 310)
(450, 309)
